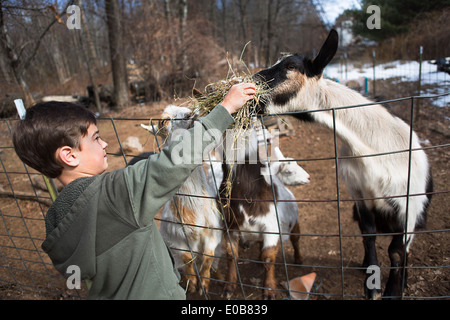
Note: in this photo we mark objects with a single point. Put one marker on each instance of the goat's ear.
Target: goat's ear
(163, 124)
(326, 53)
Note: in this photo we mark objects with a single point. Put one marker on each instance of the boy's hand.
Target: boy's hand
(238, 96)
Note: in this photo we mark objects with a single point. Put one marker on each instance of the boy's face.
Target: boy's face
(93, 160)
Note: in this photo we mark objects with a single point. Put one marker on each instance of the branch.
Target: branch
(25, 9)
(38, 43)
(25, 196)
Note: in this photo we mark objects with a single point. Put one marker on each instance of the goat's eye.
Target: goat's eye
(290, 67)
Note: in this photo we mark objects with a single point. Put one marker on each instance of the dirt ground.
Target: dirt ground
(330, 243)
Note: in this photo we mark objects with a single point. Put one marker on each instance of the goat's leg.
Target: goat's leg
(394, 285)
(232, 255)
(268, 256)
(295, 240)
(205, 272)
(366, 223)
(189, 276)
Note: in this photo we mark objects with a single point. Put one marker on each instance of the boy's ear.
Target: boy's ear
(68, 156)
(326, 53)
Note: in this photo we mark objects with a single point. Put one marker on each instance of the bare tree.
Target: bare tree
(12, 59)
(17, 61)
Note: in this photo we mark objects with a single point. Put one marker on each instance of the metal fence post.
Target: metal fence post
(374, 81)
(419, 87)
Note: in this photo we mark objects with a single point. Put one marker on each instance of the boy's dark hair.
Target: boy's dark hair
(48, 126)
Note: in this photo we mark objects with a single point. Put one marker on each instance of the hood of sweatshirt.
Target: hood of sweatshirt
(71, 228)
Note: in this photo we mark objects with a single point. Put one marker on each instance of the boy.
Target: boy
(104, 222)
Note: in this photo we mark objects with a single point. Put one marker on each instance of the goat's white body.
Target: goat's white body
(365, 131)
(191, 222)
(203, 232)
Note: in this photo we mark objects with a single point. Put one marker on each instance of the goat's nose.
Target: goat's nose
(258, 76)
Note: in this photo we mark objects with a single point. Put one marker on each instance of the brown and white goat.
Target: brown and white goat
(191, 221)
(252, 214)
(378, 184)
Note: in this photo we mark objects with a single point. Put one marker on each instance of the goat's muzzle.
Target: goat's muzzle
(262, 103)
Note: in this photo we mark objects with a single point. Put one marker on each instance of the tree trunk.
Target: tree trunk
(118, 61)
(168, 16)
(90, 58)
(12, 60)
(182, 31)
(92, 54)
(224, 24)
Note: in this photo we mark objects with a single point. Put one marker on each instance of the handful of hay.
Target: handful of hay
(216, 92)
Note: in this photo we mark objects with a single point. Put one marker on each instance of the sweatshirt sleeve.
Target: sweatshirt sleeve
(151, 183)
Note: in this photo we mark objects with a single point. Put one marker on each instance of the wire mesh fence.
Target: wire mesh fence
(26, 269)
(331, 243)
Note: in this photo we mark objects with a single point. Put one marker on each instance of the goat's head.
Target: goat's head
(295, 72)
(289, 172)
(174, 120)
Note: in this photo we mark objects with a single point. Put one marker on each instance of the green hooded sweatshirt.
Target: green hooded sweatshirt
(105, 224)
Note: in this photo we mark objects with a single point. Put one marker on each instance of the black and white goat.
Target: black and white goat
(378, 183)
(252, 213)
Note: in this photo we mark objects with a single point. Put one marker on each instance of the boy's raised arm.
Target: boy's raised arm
(153, 182)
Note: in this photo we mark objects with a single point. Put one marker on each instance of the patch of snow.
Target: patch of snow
(404, 71)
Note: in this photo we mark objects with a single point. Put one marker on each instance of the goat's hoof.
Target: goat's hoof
(298, 260)
(192, 287)
(203, 291)
(204, 288)
(228, 292)
(269, 295)
(373, 294)
(392, 295)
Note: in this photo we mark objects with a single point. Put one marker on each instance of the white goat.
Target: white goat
(377, 183)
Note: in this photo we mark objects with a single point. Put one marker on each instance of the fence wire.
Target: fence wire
(26, 272)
